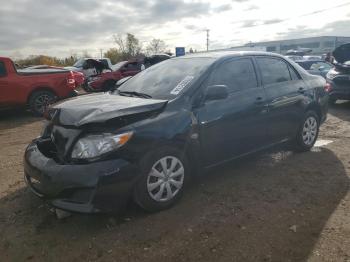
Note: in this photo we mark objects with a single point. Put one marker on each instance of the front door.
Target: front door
(235, 125)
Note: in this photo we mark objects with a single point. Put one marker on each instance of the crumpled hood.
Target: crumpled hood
(98, 108)
(342, 53)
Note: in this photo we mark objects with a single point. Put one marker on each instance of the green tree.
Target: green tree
(114, 55)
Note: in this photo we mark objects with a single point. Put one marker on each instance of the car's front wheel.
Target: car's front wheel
(164, 173)
(308, 132)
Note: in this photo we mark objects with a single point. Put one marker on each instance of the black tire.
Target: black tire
(141, 194)
(300, 144)
(108, 85)
(39, 100)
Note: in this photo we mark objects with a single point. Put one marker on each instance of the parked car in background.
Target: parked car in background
(338, 78)
(91, 66)
(33, 87)
(78, 76)
(155, 59)
(316, 67)
(294, 57)
(312, 57)
(186, 114)
(107, 80)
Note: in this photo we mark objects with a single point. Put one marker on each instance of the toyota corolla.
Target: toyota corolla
(174, 120)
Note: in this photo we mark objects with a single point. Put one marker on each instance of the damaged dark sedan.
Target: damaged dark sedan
(170, 122)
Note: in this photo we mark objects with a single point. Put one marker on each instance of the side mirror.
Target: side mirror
(216, 92)
(122, 81)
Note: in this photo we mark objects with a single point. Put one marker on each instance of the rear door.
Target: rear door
(237, 124)
(286, 93)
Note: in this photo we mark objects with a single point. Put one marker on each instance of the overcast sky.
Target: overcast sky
(63, 27)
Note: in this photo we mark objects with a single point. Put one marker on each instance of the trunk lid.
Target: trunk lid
(342, 53)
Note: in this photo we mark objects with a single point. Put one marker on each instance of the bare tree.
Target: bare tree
(128, 46)
(156, 46)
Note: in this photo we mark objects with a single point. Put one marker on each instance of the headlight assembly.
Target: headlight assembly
(93, 146)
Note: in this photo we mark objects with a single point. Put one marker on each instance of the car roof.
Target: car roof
(227, 54)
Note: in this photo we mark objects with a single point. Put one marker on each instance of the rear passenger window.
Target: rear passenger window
(273, 70)
(237, 74)
(2, 69)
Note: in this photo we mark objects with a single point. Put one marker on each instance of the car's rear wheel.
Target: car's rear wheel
(308, 132)
(39, 101)
(164, 174)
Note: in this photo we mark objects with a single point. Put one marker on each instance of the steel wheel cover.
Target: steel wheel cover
(165, 179)
(309, 130)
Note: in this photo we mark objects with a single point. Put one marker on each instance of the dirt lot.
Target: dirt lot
(275, 206)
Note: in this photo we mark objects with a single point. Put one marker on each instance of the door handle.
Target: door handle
(301, 90)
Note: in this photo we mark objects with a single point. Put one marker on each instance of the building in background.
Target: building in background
(318, 45)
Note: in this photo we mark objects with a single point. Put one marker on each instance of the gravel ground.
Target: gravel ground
(274, 206)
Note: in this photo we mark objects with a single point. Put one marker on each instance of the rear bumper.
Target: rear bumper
(339, 91)
(90, 188)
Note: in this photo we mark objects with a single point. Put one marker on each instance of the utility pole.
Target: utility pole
(207, 39)
(101, 52)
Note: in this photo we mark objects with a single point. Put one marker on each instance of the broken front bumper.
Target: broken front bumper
(102, 186)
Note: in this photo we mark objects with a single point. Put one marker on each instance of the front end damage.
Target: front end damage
(85, 185)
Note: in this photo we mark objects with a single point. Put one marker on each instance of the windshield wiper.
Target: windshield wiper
(134, 93)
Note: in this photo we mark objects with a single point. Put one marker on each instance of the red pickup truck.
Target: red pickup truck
(35, 88)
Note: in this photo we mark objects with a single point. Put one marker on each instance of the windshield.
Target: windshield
(117, 66)
(167, 79)
(79, 63)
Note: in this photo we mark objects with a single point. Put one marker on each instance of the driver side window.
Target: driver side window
(237, 74)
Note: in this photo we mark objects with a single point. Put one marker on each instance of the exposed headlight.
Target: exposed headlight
(92, 146)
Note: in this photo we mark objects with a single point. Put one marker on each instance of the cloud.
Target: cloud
(56, 27)
(249, 23)
(334, 28)
(272, 21)
(256, 22)
(251, 8)
(65, 24)
(222, 8)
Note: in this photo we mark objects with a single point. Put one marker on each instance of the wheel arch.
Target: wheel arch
(38, 89)
(316, 108)
(189, 149)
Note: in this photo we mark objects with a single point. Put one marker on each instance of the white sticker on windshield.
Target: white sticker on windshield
(184, 82)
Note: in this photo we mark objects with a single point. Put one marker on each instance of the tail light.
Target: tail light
(328, 87)
(71, 80)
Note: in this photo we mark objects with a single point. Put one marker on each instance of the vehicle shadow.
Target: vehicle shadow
(267, 207)
(15, 118)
